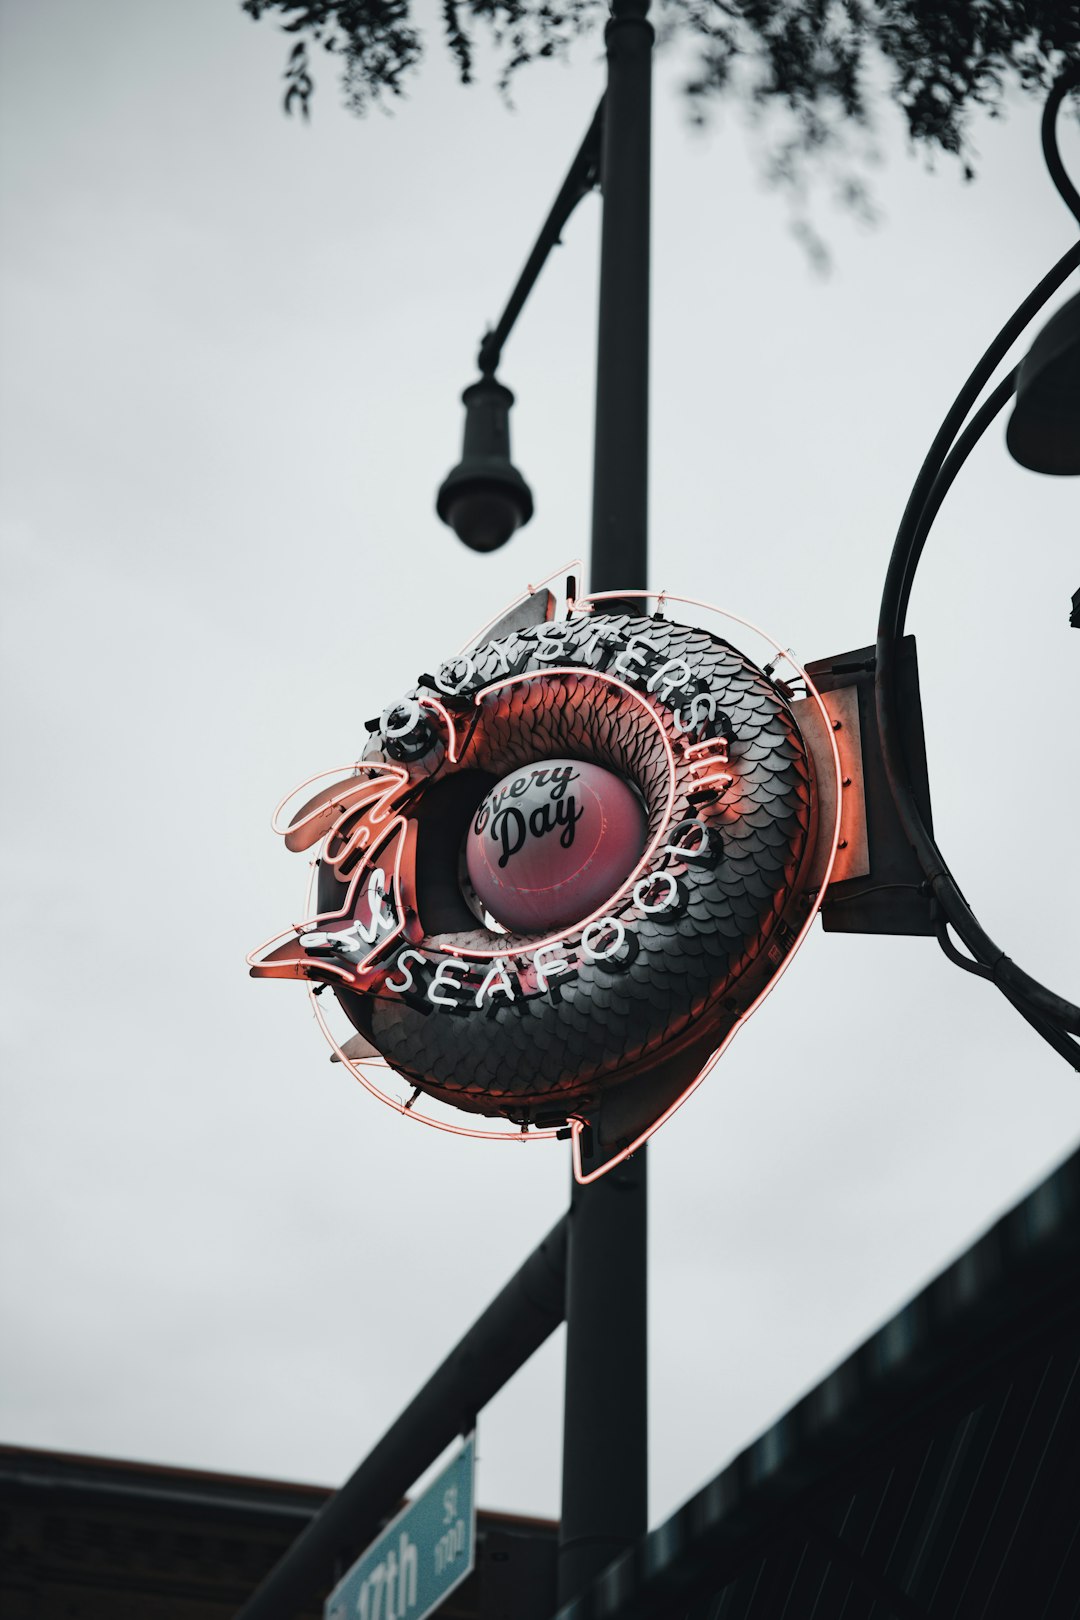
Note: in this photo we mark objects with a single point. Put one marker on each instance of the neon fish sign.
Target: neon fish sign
(653, 858)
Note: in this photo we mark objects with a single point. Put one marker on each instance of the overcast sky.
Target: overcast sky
(233, 348)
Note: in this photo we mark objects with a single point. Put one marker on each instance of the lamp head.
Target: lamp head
(484, 498)
(1044, 429)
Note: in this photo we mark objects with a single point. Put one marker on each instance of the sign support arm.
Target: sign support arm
(517, 1322)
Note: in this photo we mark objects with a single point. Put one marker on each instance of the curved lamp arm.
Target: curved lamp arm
(1054, 1018)
(1069, 80)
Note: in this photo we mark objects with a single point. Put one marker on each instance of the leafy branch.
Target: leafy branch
(819, 63)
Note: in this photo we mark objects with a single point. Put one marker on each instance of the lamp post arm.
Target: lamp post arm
(893, 601)
(1069, 80)
(962, 448)
(1049, 1014)
(583, 176)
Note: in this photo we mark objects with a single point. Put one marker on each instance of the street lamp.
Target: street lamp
(484, 498)
(1044, 429)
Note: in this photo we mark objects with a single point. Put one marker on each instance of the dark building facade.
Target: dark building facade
(86, 1538)
(935, 1475)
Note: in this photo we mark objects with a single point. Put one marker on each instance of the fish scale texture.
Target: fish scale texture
(691, 968)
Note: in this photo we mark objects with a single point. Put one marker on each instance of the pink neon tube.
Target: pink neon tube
(584, 604)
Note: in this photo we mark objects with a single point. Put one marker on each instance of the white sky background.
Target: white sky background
(232, 353)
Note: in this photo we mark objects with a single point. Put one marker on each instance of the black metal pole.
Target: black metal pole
(605, 1433)
(620, 475)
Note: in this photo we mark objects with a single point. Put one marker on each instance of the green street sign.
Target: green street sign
(419, 1558)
